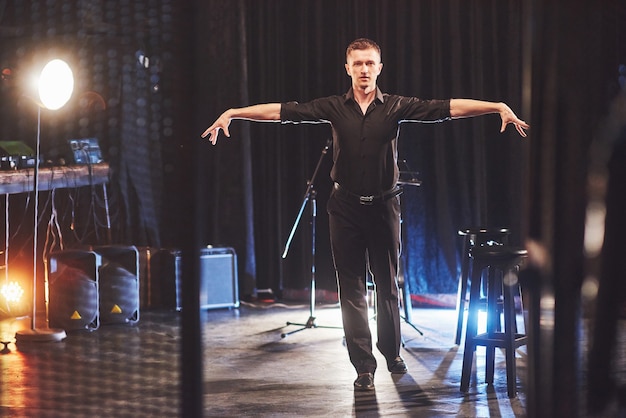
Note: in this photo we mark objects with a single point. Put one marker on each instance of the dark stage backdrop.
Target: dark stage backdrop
(206, 56)
(251, 52)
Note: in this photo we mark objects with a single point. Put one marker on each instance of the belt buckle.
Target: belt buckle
(366, 200)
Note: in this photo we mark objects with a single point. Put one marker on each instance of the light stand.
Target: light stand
(309, 196)
(56, 84)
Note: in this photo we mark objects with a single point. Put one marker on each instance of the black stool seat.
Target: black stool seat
(496, 233)
(498, 254)
(473, 237)
(503, 263)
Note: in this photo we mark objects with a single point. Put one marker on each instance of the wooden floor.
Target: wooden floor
(248, 370)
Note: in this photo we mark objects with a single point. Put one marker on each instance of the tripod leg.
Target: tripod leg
(408, 307)
(310, 323)
(413, 326)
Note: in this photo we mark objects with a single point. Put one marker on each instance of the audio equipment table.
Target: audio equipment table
(57, 177)
(50, 178)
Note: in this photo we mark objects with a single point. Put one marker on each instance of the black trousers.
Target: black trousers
(363, 235)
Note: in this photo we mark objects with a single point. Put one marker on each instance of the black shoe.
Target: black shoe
(365, 381)
(397, 366)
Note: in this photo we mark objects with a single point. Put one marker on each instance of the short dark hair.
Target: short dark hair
(360, 44)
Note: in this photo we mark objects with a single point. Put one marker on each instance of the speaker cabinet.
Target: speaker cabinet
(73, 281)
(218, 278)
(119, 284)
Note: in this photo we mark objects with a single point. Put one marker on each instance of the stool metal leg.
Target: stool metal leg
(510, 333)
(462, 293)
(472, 328)
(493, 321)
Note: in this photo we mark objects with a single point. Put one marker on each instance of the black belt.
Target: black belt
(370, 200)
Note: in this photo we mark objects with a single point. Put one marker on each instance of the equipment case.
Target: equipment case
(218, 278)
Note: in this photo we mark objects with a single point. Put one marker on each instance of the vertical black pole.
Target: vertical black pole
(191, 223)
(191, 358)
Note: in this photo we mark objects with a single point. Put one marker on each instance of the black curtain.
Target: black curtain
(296, 51)
(575, 51)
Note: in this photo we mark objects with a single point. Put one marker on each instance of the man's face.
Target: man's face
(363, 67)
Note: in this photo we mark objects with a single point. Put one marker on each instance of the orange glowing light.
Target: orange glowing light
(12, 292)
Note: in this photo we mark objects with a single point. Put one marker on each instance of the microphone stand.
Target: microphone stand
(309, 196)
(407, 178)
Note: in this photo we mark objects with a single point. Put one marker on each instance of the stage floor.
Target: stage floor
(248, 370)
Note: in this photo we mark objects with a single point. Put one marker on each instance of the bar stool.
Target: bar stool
(473, 237)
(503, 263)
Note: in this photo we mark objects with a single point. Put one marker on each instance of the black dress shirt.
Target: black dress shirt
(365, 145)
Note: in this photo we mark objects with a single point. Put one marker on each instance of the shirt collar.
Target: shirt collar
(379, 95)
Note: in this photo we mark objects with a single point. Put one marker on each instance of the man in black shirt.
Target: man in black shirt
(364, 208)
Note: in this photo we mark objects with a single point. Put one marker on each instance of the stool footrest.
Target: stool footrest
(498, 339)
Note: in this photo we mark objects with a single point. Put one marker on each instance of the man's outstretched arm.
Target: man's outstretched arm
(260, 112)
(464, 108)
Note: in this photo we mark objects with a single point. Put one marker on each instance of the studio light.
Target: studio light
(15, 290)
(11, 292)
(55, 86)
